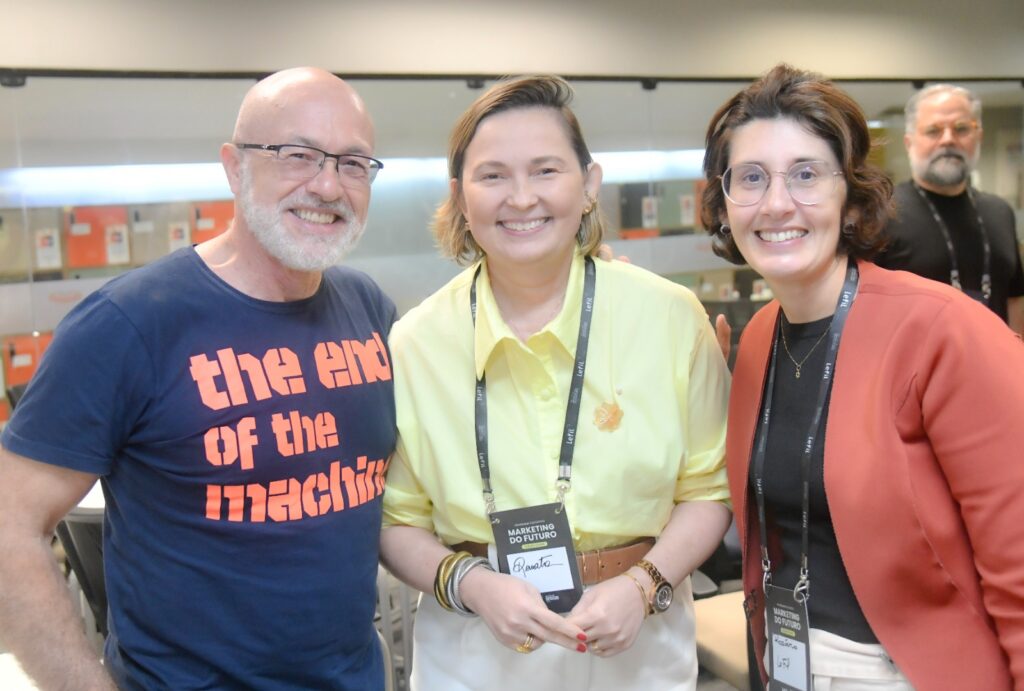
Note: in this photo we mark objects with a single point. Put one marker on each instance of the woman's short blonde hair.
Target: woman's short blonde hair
(541, 91)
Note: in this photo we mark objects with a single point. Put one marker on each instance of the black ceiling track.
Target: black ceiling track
(17, 76)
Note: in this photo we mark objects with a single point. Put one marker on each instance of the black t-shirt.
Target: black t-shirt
(832, 605)
(916, 243)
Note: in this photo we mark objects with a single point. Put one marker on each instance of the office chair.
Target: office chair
(14, 394)
(83, 544)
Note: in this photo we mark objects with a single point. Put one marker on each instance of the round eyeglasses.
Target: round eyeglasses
(301, 162)
(808, 182)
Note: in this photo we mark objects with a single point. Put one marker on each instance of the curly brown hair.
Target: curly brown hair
(824, 110)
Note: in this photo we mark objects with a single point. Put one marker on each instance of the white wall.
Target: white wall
(735, 38)
(685, 38)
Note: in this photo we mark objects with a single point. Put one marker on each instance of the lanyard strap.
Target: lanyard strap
(954, 272)
(572, 410)
(802, 589)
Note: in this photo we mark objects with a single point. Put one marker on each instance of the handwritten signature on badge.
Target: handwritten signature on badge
(520, 565)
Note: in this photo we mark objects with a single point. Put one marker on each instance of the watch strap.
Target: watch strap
(652, 571)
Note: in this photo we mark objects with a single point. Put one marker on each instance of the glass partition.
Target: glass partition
(99, 175)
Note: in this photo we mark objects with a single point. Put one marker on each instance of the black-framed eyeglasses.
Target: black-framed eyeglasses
(301, 162)
(808, 182)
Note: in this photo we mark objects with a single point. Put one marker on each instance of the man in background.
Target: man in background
(235, 399)
(944, 229)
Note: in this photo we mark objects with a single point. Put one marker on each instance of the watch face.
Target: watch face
(662, 597)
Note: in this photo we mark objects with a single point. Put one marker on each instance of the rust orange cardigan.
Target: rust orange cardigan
(924, 476)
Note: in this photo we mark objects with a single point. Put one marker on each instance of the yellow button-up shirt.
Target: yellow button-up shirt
(653, 356)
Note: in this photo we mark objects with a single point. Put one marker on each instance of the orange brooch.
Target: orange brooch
(607, 417)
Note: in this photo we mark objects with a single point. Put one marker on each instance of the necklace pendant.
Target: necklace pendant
(798, 371)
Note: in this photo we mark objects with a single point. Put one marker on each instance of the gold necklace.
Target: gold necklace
(792, 359)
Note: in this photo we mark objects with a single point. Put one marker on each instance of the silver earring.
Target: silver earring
(725, 229)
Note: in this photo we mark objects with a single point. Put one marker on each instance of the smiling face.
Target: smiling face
(523, 190)
(304, 224)
(302, 231)
(792, 245)
(944, 143)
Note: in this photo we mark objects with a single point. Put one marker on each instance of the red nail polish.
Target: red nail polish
(581, 637)
(581, 648)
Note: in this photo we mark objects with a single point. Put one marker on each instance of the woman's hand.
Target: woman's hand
(611, 614)
(513, 610)
(723, 334)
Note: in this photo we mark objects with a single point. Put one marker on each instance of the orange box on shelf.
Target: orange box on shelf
(637, 233)
(88, 234)
(210, 219)
(21, 353)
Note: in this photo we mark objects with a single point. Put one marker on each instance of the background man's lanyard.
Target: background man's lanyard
(572, 411)
(954, 272)
(802, 590)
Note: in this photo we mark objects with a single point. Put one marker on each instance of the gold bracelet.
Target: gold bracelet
(643, 593)
(444, 570)
(438, 591)
(444, 573)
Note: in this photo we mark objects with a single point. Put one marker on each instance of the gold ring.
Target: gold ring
(527, 645)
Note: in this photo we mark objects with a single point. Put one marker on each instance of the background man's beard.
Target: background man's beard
(303, 253)
(946, 168)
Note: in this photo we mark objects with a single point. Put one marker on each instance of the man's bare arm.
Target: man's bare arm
(37, 618)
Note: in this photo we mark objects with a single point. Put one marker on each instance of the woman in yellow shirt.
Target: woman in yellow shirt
(550, 406)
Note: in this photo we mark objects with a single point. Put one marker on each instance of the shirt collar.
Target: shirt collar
(492, 331)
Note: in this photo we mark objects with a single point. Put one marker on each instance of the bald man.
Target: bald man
(235, 401)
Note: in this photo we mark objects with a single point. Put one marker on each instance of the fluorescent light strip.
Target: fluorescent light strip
(146, 184)
(89, 185)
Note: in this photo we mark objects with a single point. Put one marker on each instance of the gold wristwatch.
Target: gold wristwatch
(661, 594)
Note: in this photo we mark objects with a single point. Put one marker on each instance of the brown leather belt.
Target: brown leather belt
(596, 565)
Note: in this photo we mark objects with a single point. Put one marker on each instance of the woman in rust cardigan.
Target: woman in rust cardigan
(876, 422)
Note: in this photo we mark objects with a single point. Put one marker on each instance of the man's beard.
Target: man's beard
(299, 252)
(946, 168)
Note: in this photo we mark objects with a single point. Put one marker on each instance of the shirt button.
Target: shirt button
(547, 394)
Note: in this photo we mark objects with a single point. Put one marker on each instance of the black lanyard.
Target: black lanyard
(954, 272)
(572, 411)
(802, 589)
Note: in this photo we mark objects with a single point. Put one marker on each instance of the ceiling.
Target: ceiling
(79, 121)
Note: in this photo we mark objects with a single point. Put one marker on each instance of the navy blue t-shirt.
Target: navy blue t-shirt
(243, 446)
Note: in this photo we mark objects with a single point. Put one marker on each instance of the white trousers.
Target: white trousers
(456, 653)
(839, 664)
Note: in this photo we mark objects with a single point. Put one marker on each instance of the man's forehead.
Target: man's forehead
(307, 106)
(944, 105)
(324, 123)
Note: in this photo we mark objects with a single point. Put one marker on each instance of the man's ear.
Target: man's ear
(231, 159)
